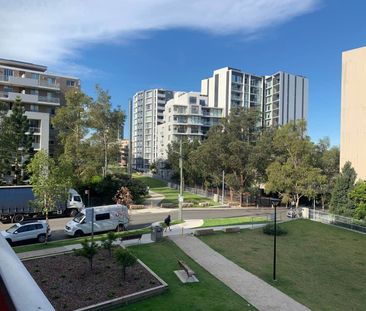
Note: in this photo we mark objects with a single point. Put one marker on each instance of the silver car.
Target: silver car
(27, 230)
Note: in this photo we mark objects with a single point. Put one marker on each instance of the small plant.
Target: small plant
(88, 250)
(111, 294)
(125, 259)
(123, 196)
(270, 230)
(107, 242)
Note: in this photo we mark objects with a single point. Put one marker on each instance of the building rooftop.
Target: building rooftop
(24, 65)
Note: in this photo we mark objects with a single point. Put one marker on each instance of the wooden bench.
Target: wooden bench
(131, 237)
(232, 229)
(203, 232)
(187, 269)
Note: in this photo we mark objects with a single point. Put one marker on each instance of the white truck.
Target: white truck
(99, 219)
(16, 204)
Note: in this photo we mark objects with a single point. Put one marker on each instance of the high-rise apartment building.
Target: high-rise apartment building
(41, 94)
(353, 110)
(147, 113)
(187, 115)
(281, 97)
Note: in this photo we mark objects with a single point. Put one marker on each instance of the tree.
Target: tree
(293, 173)
(125, 259)
(107, 242)
(105, 123)
(51, 182)
(340, 202)
(358, 198)
(328, 161)
(15, 141)
(70, 122)
(87, 250)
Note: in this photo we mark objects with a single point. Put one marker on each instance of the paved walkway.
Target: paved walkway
(257, 292)
(154, 200)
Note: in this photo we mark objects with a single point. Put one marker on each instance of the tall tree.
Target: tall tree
(358, 198)
(70, 123)
(327, 159)
(340, 202)
(105, 123)
(293, 174)
(50, 182)
(15, 141)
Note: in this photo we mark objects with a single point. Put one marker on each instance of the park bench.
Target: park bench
(187, 269)
(203, 232)
(131, 237)
(232, 229)
(136, 206)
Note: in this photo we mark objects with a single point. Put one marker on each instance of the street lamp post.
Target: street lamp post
(275, 203)
(180, 199)
(223, 187)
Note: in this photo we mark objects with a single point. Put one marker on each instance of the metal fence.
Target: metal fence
(340, 221)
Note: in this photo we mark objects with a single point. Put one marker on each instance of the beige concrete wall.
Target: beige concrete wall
(353, 110)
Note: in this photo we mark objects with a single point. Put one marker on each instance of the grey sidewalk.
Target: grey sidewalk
(257, 292)
(154, 199)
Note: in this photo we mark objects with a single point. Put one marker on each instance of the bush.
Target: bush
(102, 190)
(269, 229)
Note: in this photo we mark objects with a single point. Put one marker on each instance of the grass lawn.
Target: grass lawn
(319, 265)
(171, 195)
(214, 222)
(208, 294)
(71, 241)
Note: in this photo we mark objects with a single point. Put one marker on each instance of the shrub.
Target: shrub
(125, 259)
(269, 229)
(88, 250)
(107, 242)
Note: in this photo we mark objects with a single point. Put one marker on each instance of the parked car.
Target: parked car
(27, 230)
(106, 218)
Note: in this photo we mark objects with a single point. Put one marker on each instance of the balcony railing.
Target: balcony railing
(29, 82)
(48, 99)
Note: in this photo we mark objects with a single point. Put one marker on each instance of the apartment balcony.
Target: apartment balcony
(19, 81)
(29, 98)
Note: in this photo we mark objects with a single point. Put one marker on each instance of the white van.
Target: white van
(106, 218)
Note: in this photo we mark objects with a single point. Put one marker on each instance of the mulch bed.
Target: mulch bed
(69, 284)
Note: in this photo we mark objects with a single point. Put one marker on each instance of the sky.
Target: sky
(131, 45)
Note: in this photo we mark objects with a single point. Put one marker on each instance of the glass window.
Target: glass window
(102, 216)
(8, 72)
(35, 76)
(192, 100)
(68, 82)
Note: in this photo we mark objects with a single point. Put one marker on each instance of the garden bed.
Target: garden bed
(69, 284)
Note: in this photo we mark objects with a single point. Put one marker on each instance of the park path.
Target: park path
(257, 292)
(154, 200)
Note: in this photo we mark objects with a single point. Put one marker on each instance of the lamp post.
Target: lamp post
(223, 187)
(275, 203)
(180, 198)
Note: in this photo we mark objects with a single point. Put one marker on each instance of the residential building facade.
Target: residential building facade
(41, 94)
(353, 110)
(123, 148)
(188, 116)
(281, 97)
(147, 113)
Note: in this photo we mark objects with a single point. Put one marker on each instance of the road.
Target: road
(144, 218)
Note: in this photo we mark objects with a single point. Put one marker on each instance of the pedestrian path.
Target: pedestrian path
(154, 199)
(257, 292)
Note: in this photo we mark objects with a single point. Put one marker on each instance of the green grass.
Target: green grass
(171, 195)
(319, 265)
(214, 222)
(208, 294)
(52, 244)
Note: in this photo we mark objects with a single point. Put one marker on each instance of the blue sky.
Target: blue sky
(305, 39)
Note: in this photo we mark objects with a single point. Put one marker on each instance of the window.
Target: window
(35, 76)
(38, 226)
(34, 107)
(102, 216)
(77, 198)
(70, 83)
(202, 102)
(192, 100)
(8, 72)
(51, 81)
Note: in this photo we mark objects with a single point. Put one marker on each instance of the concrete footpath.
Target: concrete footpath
(257, 292)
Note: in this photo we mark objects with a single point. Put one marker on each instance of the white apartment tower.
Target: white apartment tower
(147, 113)
(280, 97)
(41, 94)
(187, 115)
